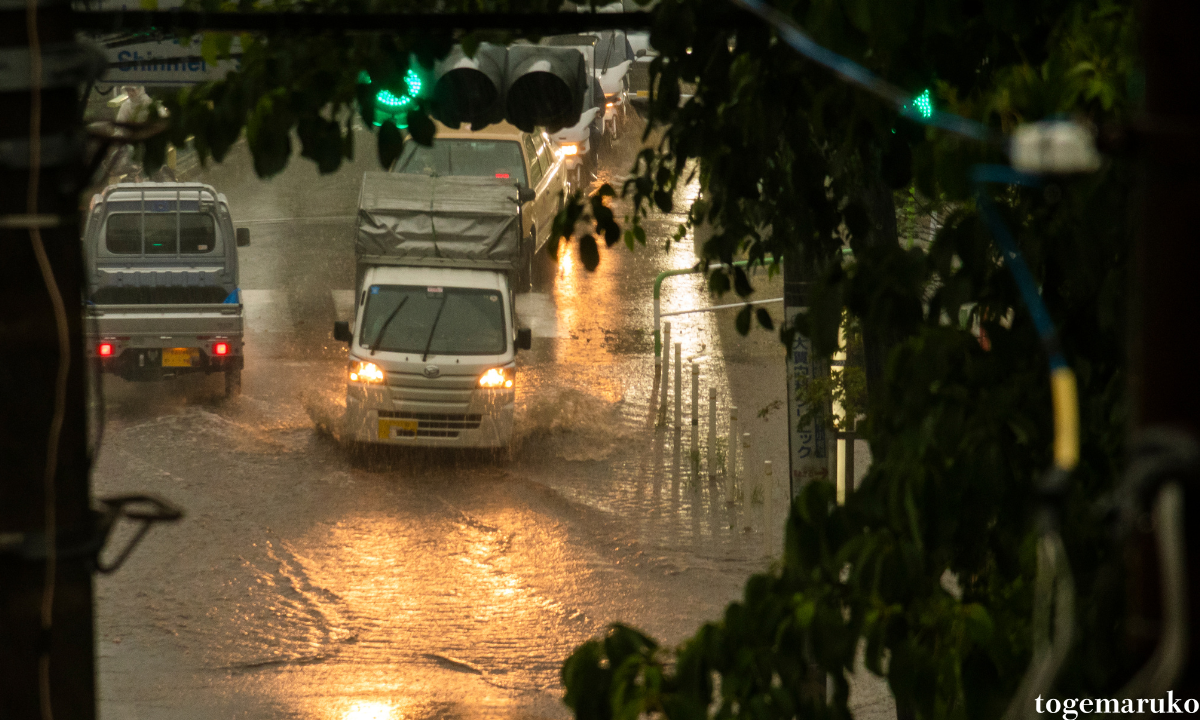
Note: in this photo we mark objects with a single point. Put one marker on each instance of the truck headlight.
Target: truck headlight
(365, 372)
(496, 378)
(569, 149)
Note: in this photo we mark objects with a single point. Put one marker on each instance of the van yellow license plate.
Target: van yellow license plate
(390, 429)
(177, 357)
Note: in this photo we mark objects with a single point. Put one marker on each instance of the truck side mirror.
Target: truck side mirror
(524, 339)
(243, 236)
(525, 194)
(341, 332)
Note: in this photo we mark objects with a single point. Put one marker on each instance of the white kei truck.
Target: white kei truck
(162, 287)
(433, 344)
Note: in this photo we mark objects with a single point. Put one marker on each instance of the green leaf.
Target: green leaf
(420, 127)
(741, 283)
(742, 323)
(589, 253)
(663, 201)
(215, 46)
(764, 319)
(390, 144)
(979, 623)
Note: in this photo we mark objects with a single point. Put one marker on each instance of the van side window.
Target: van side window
(545, 154)
(535, 167)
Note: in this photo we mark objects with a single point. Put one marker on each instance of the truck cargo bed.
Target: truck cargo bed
(163, 325)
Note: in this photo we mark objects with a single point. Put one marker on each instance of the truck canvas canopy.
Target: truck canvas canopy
(422, 220)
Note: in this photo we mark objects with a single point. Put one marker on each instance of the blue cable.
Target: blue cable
(982, 174)
(791, 34)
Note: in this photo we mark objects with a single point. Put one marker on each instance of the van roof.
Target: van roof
(158, 191)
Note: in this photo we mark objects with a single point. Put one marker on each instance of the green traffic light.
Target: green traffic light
(923, 104)
(388, 104)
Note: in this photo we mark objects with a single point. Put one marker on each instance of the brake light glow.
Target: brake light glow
(105, 350)
(502, 175)
(221, 348)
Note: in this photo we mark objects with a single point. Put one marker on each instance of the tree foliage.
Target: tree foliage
(791, 160)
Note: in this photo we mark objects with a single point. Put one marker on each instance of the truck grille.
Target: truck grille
(443, 425)
(445, 396)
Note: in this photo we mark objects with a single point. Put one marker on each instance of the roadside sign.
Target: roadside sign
(163, 63)
(808, 442)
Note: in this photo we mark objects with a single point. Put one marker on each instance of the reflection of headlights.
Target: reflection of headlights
(496, 378)
(571, 149)
(365, 372)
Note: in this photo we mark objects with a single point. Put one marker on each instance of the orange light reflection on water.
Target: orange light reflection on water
(371, 710)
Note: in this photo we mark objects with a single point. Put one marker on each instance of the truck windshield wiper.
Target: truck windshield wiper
(382, 328)
(432, 328)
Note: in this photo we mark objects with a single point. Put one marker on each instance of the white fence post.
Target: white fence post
(712, 432)
(678, 403)
(731, 454)
(768, 507)
(694, 449)
(666, 373)
(678, 386)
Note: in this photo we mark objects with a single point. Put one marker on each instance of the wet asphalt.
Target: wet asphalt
(307, 582)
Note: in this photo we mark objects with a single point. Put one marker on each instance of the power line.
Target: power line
(194, 21)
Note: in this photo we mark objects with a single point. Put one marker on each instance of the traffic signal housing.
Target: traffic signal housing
(527, 85)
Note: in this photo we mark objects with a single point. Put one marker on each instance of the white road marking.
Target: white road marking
(536, 311)
(267, 310)
(343, 304)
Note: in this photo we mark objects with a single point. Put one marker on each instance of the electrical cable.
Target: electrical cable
(64, 359)
(851, 71)
(1054, 587)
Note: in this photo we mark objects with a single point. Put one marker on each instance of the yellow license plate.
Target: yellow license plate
(177, 357)
(389, 428)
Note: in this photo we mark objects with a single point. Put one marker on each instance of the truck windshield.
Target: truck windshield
(471, 322)
(166, 233)
(474, 158)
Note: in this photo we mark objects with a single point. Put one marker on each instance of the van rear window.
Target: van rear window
(476, 158)
(165, 233)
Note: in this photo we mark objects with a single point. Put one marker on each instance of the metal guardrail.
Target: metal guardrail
(659, 315)
(658, 281)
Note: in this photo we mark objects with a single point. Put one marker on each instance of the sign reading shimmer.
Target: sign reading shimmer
(167, 62)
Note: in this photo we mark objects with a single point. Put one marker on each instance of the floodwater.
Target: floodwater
(306, 582)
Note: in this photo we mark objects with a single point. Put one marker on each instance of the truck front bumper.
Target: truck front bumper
(485, 424)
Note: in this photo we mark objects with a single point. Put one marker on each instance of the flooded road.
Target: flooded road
(306, 582)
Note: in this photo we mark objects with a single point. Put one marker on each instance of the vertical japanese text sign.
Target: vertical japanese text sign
(808, 442)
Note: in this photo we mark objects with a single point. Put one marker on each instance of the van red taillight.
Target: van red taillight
(221, 349)
(502, 175)
(104, 350)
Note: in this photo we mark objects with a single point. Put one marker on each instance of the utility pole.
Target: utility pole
(1165, 391)
(46, 643)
